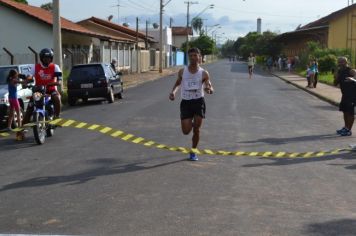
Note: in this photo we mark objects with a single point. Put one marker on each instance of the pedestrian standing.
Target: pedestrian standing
(113, 64)
(348, 91)
(280, 63)
(316, 72)
(193, 81)
(13, 81)
(289, 64)
(251, 60)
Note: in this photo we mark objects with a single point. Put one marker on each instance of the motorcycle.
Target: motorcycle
(43, 113)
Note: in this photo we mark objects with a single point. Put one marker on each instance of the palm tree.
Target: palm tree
(197, 24)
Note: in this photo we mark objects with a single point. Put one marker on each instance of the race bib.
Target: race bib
(191, 84)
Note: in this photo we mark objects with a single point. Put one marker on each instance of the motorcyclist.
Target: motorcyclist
(46, 74)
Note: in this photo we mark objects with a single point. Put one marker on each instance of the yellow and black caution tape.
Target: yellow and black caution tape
(149, 143)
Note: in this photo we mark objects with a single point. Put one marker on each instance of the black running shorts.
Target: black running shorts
(191, 108)
(347, 105)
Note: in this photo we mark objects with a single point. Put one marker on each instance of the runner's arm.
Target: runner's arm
(207, 83)
(176, 85)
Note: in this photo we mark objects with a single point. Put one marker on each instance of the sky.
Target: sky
(235, 17)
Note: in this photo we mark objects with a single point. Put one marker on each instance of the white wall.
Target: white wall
(179, 40)
(19, 31)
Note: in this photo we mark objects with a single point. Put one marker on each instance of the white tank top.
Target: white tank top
(192, 84)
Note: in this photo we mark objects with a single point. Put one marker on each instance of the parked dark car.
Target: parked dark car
(93, 81)
(23, 93)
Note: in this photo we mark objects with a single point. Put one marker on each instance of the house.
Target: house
(335, 31)
(136, 54)
(31, 30)
(166, 44)
(180, 34)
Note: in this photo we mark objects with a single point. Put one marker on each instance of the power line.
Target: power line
(142, 6)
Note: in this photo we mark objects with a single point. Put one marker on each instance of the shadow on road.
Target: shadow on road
(107, 167)
(279, 141)
(293, 161)
(343, 227)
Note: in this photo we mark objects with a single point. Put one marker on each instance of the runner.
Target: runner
(194, 80)
(251, 60)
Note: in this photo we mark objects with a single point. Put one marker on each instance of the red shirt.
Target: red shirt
(45, 75)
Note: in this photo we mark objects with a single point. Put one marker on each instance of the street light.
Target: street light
(211, 6)
(211, 27)
(212, 33)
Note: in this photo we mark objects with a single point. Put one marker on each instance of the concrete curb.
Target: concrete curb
(322, 97)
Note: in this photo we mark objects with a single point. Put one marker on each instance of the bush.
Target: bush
(260, 60)
(326, 63)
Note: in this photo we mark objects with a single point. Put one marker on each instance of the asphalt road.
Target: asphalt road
(86, 183)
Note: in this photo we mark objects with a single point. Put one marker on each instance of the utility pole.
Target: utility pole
(137, 51)
(160, 36)
(187, 38)
(146, 40)
(118, 11)
(57, 36)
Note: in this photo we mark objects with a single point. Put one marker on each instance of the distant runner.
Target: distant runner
(251, 61)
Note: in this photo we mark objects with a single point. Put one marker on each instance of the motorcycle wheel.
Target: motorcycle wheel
(39, 130)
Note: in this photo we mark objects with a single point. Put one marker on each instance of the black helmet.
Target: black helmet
(46, 52)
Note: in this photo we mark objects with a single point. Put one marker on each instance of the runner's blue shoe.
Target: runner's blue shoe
(193, 157)
(346, 132)
(339, 131)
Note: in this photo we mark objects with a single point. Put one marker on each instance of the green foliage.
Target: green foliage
(327, 78)
(260, 59)
(197, 25)
(326, 63)
(47, 6)
(21, 1)
(204, 43)
(260, 44)
(314, 50)
(228, 49)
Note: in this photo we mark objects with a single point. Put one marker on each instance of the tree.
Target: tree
(197, 25)
(47, 6)
(21, 1)
(205, 44)
(260, 44)
(228, 48)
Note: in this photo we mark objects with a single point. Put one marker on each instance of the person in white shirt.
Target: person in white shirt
(251, 60)
(193, 81)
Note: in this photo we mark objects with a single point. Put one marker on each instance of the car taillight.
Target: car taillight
(103, 83)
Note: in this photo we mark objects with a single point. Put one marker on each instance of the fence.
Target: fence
(132, 61)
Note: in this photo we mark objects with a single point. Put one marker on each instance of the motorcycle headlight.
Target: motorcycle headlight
(37, 96)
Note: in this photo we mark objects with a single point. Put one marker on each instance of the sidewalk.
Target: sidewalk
(132, 80)
(323, 91)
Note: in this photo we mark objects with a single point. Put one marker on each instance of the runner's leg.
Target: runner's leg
(196, 130)
(187, 125)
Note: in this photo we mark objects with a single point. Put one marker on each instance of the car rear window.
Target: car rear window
(87, 72)
(4, 72)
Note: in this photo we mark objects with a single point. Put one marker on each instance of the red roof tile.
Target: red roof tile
(47, 17)
(178, 30)
(117, 27)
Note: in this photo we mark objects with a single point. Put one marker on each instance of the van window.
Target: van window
(4, 72)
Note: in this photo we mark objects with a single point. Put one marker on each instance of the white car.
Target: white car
(24, 94)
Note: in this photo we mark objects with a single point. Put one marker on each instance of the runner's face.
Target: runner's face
(194, 58)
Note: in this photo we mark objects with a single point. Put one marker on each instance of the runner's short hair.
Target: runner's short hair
(194, 50)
